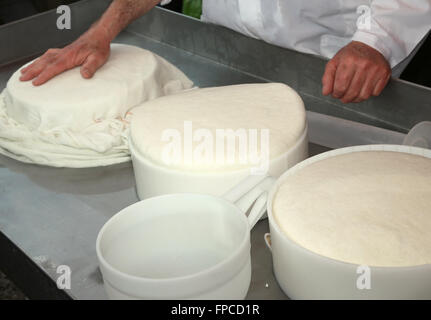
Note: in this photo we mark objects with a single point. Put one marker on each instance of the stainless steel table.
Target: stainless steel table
(51, 216)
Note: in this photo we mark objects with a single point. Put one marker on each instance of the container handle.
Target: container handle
(251, 193)
(419, 135)
(258, 209)
(267, 238)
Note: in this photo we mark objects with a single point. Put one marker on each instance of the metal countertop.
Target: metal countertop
(54, 215)
(51, 216)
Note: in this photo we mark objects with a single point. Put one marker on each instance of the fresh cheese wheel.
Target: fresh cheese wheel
(219, 129)
(74, 122)
(130, 76)
(367, 207)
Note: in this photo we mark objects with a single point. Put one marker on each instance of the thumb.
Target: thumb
(90, 65)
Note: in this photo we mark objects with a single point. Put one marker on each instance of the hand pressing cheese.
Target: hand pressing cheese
(76, 122)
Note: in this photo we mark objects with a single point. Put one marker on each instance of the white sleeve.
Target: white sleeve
(165, 2)
(394, 27)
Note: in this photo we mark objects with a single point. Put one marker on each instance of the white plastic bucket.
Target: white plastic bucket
(182, 246)
(154, 180)
(303, 274)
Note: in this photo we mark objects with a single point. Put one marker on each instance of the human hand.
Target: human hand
(356, 73)
(90, 51)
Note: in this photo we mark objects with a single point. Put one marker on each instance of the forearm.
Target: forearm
(91, 50)
(120, 14)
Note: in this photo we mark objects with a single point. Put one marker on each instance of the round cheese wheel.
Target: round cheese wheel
(219, 129)
(130, 76)
(368, 207)
(74, 122)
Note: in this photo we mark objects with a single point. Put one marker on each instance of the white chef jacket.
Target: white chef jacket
(322, 27)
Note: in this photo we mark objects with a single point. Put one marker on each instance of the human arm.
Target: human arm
(90, 50)
(362, 68)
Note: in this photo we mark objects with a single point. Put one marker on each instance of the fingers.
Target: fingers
(355, 88)
(35, 68)
(56, 61)
(50, 71)
(381, 84)
(368, 87)
(91, 64)
(329, 77)
(373, 86)
(364, 85)
(29, 67)
(343, 79)
(367, 90)
(360, 72)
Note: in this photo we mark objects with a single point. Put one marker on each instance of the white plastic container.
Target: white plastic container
(182, 246)
(154, 180)
(303, 274)
(142, 264)
(419, 135)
